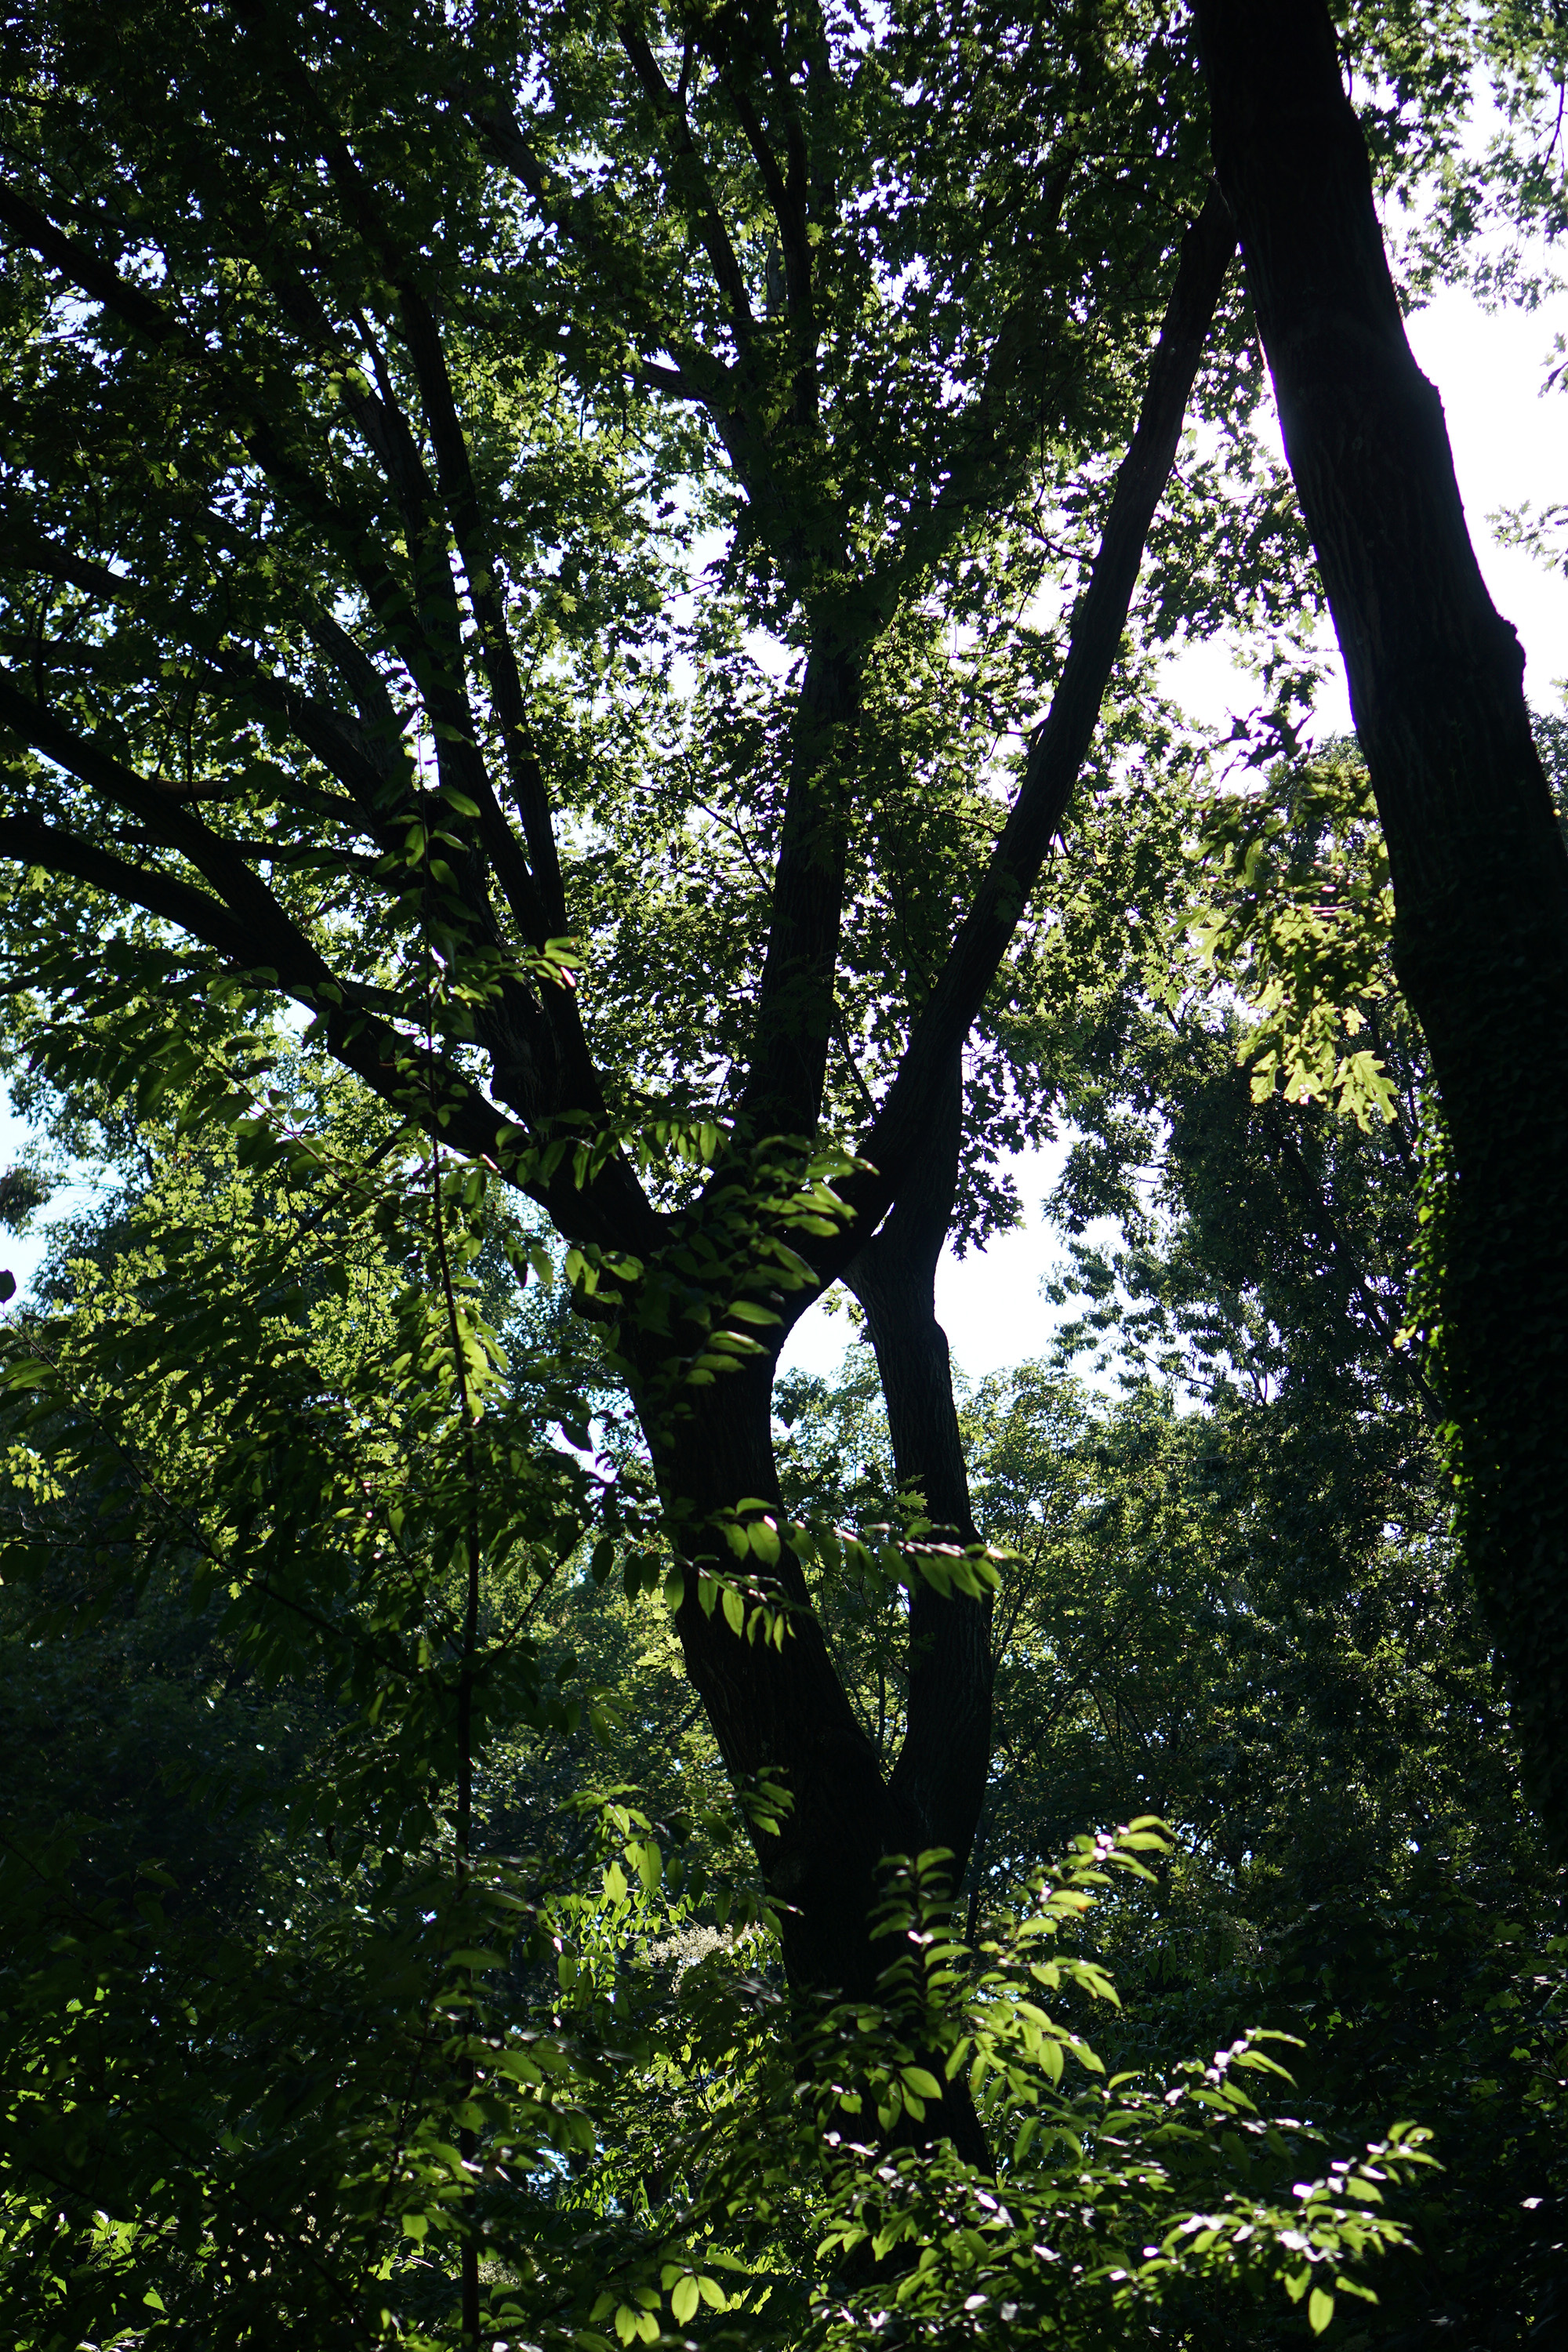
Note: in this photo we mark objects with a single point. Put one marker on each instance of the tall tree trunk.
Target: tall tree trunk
(946, 1751)
(786, 1711)
(1480, 869)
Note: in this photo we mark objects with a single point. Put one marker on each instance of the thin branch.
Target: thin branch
(255, 428)
(1382, 1325)
(688, 182)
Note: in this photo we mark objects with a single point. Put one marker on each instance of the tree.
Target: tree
(416, 362)
(1246, 1614)
(1478, 857)
(382, 386)
(1252, 1615)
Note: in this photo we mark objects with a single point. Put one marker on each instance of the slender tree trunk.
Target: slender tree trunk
(946, 1752)
(899, 1134)
(1481, 873)
(782, 1093)
(787, 1710)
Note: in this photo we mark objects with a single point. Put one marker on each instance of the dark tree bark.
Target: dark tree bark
(901, 1133)
(784, 1711)
(782, 1093)
(1480, 869)
(788, 1711)
(946, 1752)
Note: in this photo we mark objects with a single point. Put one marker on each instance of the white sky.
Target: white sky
(1511, 445)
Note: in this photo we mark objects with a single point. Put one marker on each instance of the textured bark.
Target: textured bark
(788, 1712)
(792, 1711)
(1481, 873)
(787, 1709)
(782, 1093)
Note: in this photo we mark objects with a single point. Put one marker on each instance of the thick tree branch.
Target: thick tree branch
(360, 754)
(33, 841)
(244, 896)
(793, 1027)
(1369, 452)
(395, 1067)
(438, 673)
(257, 934)
(366, 1043)
(1058, 749)
(80, 267)
(512, 1028)
(786, 182)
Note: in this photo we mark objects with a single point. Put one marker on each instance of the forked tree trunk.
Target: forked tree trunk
(1481, 873)
(786, 1710)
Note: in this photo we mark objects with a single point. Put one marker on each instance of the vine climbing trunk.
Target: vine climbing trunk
(1480, 869)
(782, 1710)
(785, 1712)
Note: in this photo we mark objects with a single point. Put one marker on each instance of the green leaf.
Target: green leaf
(684, 2297)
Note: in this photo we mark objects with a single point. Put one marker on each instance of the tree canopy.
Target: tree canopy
(584, 762)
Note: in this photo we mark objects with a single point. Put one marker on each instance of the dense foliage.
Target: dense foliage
(543, 554)
(304, 1967)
